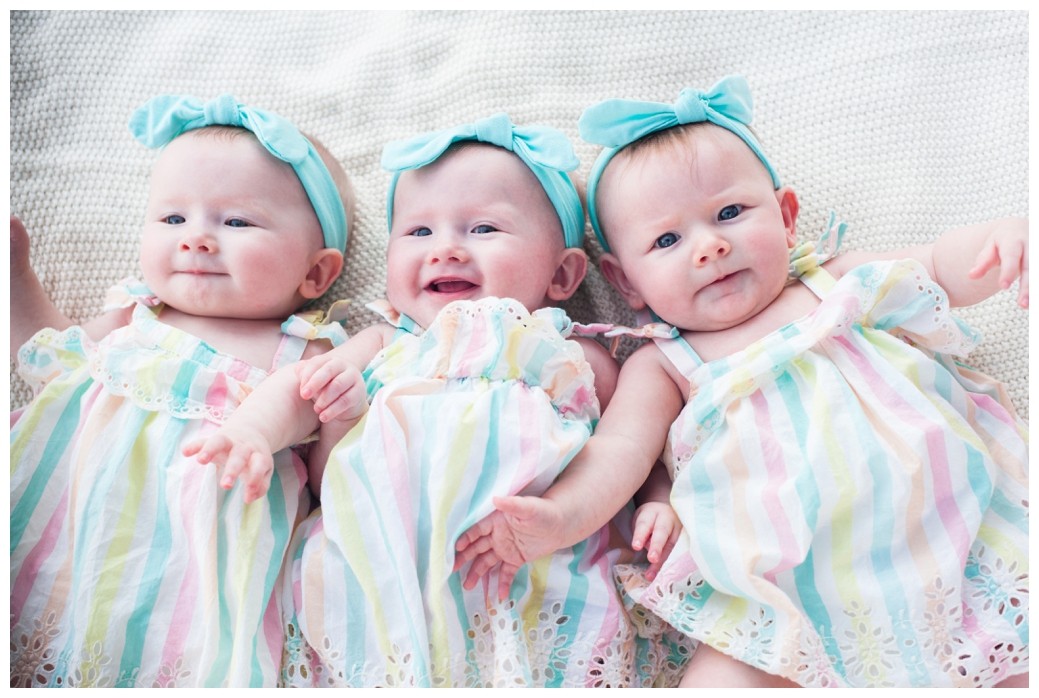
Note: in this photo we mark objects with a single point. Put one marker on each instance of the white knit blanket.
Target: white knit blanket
(904, 124)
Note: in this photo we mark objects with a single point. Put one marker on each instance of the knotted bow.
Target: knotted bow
(163, 118)
(546, 151)
(617, 123)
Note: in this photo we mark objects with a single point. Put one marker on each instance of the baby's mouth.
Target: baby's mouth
(451, 286)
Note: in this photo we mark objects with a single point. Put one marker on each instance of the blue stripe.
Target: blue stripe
(155, 567)
(52, 456)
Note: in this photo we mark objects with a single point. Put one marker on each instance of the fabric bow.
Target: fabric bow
(617, 123)
(547, 152)
(165, 117)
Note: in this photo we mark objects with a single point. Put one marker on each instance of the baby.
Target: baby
(854, 501)
(477, 389)
(130, 566)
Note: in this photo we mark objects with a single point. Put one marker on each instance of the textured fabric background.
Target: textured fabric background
(904, 123)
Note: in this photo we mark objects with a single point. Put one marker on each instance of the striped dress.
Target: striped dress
(490, 400)
(130, 566)
(855, 502)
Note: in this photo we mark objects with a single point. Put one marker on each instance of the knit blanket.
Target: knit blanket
(902, 123)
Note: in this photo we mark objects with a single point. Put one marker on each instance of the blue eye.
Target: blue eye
(483, 229)
(173, 219)
(421, 232)
(236, 223)
(729, 212)
(665, 240)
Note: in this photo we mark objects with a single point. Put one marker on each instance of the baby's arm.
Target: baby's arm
(31, 307)
(971, 262)
(600, 480)
(655, 522)
(277, 415)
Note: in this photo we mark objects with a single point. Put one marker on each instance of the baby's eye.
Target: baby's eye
(173, 219)
(236, 223)
(421, 232)
(665, 240)
(483, 229)
(729, 212)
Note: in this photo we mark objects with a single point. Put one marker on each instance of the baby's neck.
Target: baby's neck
(794, 302)
(252, 341)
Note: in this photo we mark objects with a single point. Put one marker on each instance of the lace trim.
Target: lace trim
(871, 654)
(498, 644)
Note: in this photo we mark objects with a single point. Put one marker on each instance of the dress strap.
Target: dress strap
(680, 353)
(301, 329)
(403, 323)
(807, 259)
(674, 346)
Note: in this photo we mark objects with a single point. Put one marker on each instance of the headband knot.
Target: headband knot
(691, 107)
(547, 152)
(222, 110)
(163, 118)
(617, 123)
(496, 130)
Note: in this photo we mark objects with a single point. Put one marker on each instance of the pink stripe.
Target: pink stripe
(775, 466)
(529, 431)
(180, 621)
(272, 629)
(396, 457)
(23, 583)
(217, 395)
(944, 494)
(611, 621)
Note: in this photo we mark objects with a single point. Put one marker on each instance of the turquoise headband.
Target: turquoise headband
(165, 117)
(547, 152)
(617, 123)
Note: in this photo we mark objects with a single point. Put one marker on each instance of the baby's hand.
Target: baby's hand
(335, 386)
(1007, 248)
(19, 247)
(657, 523)
(241, 453)
(521, 529)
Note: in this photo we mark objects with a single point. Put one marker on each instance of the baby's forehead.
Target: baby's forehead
(479, 169)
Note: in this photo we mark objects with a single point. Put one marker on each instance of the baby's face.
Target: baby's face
(229, 230)
(473, 224)
(700, 233)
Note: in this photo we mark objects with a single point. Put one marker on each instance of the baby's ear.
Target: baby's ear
(788, 206)
(325, 267)
(573, 265)
(611, 269)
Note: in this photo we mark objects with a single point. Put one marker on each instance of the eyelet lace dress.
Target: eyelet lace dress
(854, 501)
(130, 566)
(489, 400)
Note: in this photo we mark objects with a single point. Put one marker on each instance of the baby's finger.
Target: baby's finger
(478, 530)
(505, 576)
(314, 375)
(234, 465)
(643, 528)
(195, 446)
(1011, 266)
(987, 258)
(337, 402)
(482, 566)
(257, 476)
(471, 550)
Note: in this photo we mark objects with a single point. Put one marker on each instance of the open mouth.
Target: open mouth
(451, 286)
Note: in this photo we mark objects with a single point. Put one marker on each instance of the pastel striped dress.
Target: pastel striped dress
(490, 400)
(130, 566)
(855, 502)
